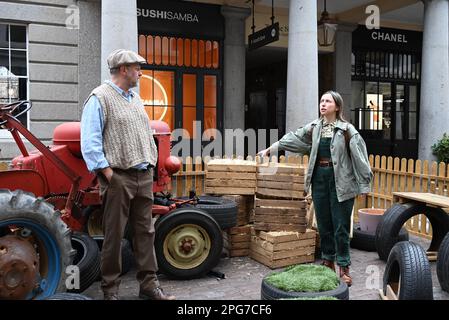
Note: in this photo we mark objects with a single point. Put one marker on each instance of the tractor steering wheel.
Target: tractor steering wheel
(10, 108)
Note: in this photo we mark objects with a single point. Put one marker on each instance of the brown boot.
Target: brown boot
(344, 275)
(329, 264)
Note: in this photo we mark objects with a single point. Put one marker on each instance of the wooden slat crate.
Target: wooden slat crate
(280, 180)
(230, 176)
(281, 249)
(280, 215)
(244, 204)
(237, 240)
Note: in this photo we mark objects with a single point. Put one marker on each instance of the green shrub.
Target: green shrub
(441, 149)
(304, 278)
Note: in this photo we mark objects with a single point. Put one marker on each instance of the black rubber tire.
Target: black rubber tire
(223, 210)
(394, 218)
(269, 292)
(20, 205)
(176, 219)
(443, 264)
(409, 263)
(87, 258)
(68, 296)
(366, 241)
(128, 261)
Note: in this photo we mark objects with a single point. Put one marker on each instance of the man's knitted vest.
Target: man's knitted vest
(127, 135)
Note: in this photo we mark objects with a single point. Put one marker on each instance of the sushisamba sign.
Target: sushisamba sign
(180, 18)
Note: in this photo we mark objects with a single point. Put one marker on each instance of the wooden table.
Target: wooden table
(429, 199)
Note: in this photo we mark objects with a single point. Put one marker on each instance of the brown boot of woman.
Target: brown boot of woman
(344, 275)
(329, 264)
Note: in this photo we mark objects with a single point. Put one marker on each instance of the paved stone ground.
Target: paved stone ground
(244, 276)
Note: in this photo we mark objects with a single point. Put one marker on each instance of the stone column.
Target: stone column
(234, 66)
(118, 29)
(434, 106)
(302, 64)
(342, 65)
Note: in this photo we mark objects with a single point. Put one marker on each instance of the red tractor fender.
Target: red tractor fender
(26, 180)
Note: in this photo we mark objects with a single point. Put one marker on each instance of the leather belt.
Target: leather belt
(324, 162)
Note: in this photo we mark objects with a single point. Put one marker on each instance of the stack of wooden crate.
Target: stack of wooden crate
(280, 203)
(237, 241)
(283, 248)
(230, 177)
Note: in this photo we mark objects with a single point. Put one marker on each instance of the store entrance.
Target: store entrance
(388, 122)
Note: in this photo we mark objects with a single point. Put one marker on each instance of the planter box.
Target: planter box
(281, 249)
(230, 176)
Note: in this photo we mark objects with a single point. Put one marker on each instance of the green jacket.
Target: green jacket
(352, 172)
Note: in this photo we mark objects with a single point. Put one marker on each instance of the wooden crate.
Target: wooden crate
(281, 249)
(230, 176)
(245, 205)
(280, 215)
(280, 180)
(236, 241)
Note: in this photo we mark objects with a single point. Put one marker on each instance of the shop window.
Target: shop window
(157, 94)
(13, 65)
(210, 105)
(189, 103)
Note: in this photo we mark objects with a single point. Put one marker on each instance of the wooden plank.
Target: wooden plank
(279, 227)
(390, 294)
(280, 185)
(283, 262)
(230, 183)
(266, 218)
(231, 175)
(281, 178)
(180, 190)
(281, 211)
(230, 190)
(432, 255)
(239, 230)
(240, 237)
(425, 179)
(410, 170)
(434, 199)
(240, 245)
(388, 190)
(382, 185)
(238, 252)
(280, 203)
(283, 246)
(276, 255)
(199, 179)
(417, 181)
(189, 180)
(376, 179)
(289, 194)
(441, 177)
(280, 237)
(280, 168)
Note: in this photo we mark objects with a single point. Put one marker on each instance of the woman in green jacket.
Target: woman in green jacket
(338, 171)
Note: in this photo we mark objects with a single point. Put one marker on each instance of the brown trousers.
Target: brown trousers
(128, 197)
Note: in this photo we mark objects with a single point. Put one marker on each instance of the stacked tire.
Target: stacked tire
(443, 264)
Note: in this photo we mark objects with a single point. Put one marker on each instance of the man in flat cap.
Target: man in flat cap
(117, 144)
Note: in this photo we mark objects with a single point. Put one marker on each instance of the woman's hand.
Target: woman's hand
(263, 153)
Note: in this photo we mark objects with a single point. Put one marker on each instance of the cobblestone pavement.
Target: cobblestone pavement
(243, 278)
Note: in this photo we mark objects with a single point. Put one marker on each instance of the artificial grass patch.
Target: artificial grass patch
(304, 278)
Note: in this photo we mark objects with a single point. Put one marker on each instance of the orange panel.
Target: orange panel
(180, 52)
(187, 55)
(142, 46)
(201, 52)
(165, 53)
(150, 50)
(146, 87)
(208, 54)
(173, 51)
(194, 53)
(210, 121)
(188, 117)
(189, 90)
(166, 114)
(210, 91)
(157, 50)
(164, 90)
(216, 55)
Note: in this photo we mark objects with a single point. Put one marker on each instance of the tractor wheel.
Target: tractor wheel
(94, 225)
(223, 210)
(188, 243)
(29, 222)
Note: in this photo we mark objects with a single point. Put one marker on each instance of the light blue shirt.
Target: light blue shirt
(92, 125)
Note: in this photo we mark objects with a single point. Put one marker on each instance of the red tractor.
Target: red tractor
(48, 194)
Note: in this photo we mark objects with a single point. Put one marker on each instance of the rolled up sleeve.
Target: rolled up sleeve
(299, 141)
(360, 163)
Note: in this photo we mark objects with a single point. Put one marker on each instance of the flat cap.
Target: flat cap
(122, 56)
